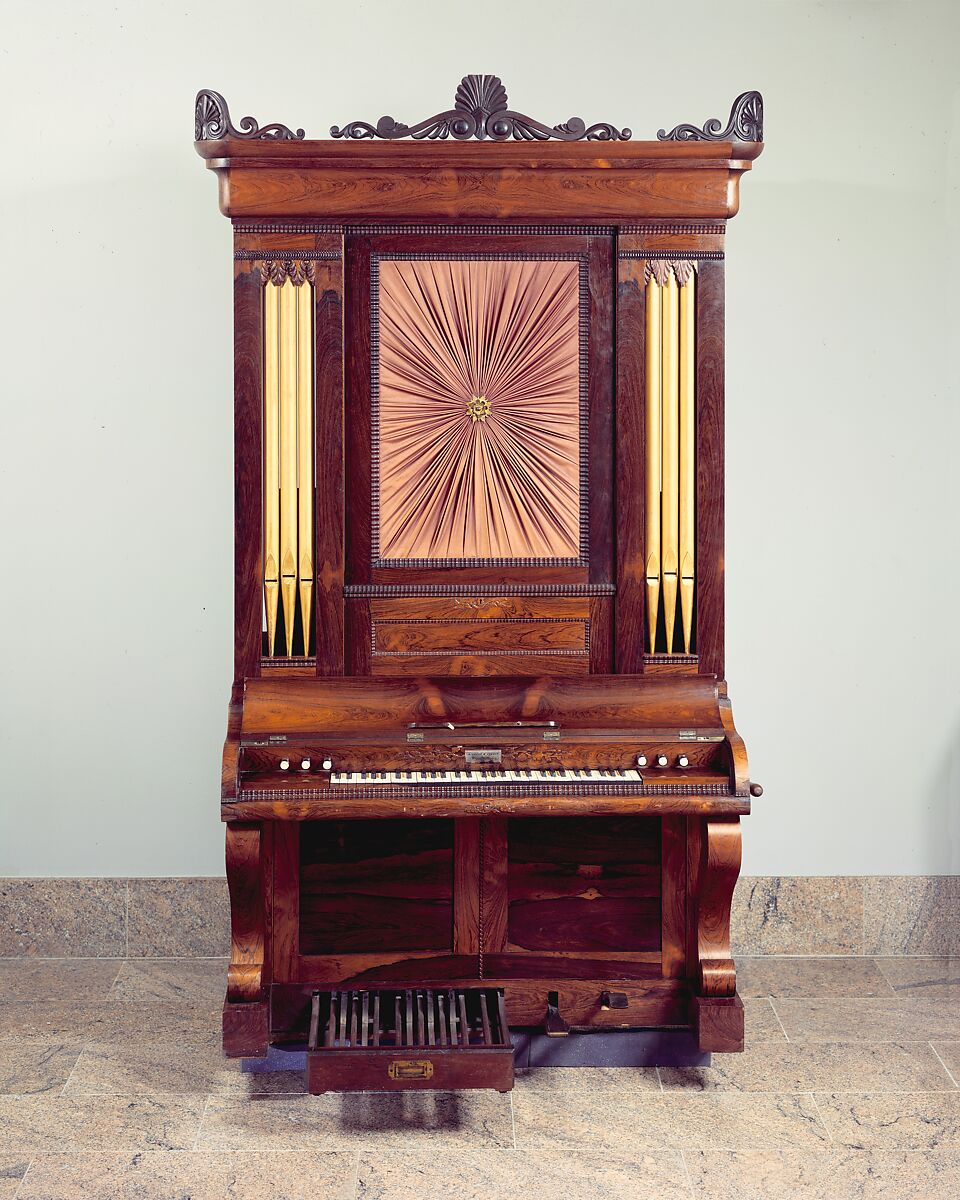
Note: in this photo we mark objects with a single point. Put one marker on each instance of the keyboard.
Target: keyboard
(393, 778)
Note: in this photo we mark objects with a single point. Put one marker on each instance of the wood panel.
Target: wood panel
(709, 601)
(600, 442)
(248, 460)
(376, 885)
(481, 608)
(631, 342)
(595, 702)
(466, 637)
(494, 879)
(329, 458)
(673, 887)
(584, 885)
(481, 665)
(466, 886)
(246, 863)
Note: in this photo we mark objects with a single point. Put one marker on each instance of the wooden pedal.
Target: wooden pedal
(408, 1039)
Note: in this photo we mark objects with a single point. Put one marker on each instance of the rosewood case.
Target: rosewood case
(479, 452)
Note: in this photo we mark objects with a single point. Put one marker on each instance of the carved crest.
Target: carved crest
(212, 123)
(745, 124)
(480, 110)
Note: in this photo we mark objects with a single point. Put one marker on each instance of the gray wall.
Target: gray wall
(116, 399)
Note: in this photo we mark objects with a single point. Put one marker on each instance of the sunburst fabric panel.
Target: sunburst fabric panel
(478, 428)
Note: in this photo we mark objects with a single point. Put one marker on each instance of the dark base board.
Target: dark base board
(532, 1048)
(608, 1048)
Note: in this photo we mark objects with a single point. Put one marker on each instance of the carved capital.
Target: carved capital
(661, 269)
(277, 270)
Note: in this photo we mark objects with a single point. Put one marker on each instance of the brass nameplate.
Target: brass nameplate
(483, 756)
(414, 737)
(411, 1068)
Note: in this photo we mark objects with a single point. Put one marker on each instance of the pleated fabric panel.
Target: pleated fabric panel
(479, 409)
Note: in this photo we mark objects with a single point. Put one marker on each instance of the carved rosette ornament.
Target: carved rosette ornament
(212, 123)
(745, 124)
(480, 110)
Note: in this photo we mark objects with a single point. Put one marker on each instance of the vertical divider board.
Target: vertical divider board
(466, 886)
(709, 601)
(673, 897)
(248, 457)
(495, 895)
(286, 902)
(330, 413)
(601, 452)
(630, 405)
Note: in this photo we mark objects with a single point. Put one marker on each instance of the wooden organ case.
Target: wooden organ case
(481, 769)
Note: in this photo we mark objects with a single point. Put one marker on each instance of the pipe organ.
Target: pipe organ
(481, 783)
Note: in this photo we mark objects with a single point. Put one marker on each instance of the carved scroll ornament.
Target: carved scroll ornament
(745, 124)
(481, 110)
(212, 123)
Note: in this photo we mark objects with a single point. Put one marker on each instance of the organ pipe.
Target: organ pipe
(271, 462)
(288, 460)
(652, 497)
(687, 459)
(670, 495)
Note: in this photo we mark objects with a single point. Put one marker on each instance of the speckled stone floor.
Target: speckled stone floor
(118, 1089)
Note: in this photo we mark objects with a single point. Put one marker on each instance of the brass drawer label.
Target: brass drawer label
(411, 1068)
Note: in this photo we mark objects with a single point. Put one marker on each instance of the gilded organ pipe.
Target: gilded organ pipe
(670, 494)
(305, 456)
(652, 456)
(670, 446)
(288, 457)
(288, 454)
(687, 457)
(271, 461)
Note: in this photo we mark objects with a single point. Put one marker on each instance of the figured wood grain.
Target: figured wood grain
(673, 892)
(481, 608)
(600, 382)
(495, 887)
(286, 900)
(709, 599)
(329, 458)
(248, 460)
(601, 635)
(595, 701)
(246, 881)
(631, 335)
(450, 181)
(467, 865)
(720, 852)
(376, 885)
(465, 636)
(581, 885)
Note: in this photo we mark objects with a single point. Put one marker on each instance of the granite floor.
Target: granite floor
(112, 1085)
